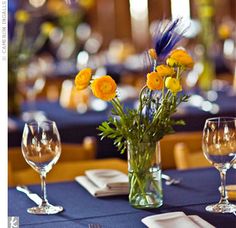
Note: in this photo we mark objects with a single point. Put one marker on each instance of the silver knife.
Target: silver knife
(33, 196)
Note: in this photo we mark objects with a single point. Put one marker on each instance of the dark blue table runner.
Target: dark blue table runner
(198, 188)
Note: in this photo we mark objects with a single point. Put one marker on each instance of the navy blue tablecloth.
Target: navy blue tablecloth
(198, 188)
(72, 126)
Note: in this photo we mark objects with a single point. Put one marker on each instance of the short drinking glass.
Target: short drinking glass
(41, 148)
(219, 147)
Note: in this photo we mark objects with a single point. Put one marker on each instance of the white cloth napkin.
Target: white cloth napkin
(175, 219)
(104, 182)
(108, 178)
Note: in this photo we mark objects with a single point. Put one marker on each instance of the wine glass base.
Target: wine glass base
(222, 208)
(45, 210)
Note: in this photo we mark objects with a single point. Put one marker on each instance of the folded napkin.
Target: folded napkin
(104, 182)
(175, 219)
(108, 178)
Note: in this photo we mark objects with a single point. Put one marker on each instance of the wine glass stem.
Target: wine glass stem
(43, 188)
(224, 197)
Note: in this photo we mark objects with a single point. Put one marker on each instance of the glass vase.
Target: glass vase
(144, 166)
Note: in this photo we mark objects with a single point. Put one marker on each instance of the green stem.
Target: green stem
(39, 42)
(141, 101)
(132, 183)
(180, 70)
(163, 89)
(19, 38)
(154, 64)
(142, 186)
(118, 108)
(140, 109)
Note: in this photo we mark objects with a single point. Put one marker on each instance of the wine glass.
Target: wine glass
(219, 148)
(41, 148)
(31, 82)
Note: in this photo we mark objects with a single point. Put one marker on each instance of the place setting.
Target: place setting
(44, 137)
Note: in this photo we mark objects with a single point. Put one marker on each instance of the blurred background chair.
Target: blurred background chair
(188, 152)
(74, 160)
(182, 151)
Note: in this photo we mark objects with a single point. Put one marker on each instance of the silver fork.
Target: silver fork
(169, 180)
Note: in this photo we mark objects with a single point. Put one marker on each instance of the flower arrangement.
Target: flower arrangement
(152, 120)
(20, 51)
(22, 48)
(158, 99)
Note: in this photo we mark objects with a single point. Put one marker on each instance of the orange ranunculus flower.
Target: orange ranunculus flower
(173, 85)
(180, 57)
(104, 88)
(164, 70)
(22, 16)
(154, 81)
(83, 78)
(152, 53)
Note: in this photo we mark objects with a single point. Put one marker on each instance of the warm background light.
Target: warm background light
(37, 3)
(139, 21)
(180, 8)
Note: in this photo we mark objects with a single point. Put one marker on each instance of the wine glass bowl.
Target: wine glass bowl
(41, 148)
(221, 155)
(219, 148)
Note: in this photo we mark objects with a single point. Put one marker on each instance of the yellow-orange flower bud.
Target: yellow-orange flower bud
(173, 85)
(152, 53)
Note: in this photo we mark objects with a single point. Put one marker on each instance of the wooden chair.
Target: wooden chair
(74, 160)
(182, 150)
(188, 152)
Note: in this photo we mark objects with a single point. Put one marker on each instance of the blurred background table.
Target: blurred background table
(74, 127)
(112, 38)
